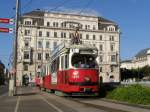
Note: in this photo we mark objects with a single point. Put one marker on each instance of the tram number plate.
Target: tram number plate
(87, 89)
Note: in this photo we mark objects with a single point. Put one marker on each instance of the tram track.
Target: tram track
(79, 101)
(98, 106)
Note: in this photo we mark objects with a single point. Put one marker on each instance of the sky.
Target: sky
(132, 16)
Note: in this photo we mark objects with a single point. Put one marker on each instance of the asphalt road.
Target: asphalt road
(32, 100)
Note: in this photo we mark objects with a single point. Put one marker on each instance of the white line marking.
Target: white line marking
(17, 104)
(59, 110)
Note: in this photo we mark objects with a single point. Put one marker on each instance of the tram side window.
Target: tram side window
(55, 65)
(66, 61)
(62, 62)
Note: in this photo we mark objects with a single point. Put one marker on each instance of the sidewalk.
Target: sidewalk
(115, 106)
(3, 89)
(27, 90)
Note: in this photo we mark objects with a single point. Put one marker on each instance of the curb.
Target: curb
(105, 108)
(126, 103)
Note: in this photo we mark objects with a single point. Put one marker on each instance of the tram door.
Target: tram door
(64, 66)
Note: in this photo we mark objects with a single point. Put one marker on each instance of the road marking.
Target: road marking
(17, 104)
(59, 110)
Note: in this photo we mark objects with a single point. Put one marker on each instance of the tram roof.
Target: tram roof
(61, 47)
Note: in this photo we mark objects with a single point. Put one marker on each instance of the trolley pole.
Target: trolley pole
(16, 45)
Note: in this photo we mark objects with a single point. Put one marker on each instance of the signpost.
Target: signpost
(6, 21)
(12, 82)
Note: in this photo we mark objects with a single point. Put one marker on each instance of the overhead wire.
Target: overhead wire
(59, 5)
(86, 6)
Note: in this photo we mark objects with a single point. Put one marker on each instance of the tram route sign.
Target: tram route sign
(6, 30)
(6, 20)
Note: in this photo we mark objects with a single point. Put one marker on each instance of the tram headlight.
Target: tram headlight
(87, 79)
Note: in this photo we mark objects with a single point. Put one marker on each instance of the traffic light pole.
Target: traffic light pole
(16, 45)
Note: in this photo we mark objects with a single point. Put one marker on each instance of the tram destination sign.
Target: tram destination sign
(87, 52)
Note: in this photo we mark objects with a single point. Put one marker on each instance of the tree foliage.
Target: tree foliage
(138, 73)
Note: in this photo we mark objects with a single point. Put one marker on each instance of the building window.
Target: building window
(101, 69)
(112, 47)
(111, 38)
(27, 32)
(100, 58)
(26, 55)
(25, 67)
(87, 36)
(27, 22)
(39, 66)
(100, 37)
(55, 34)
(54, 45)
(94, 27)
(94, 45)
(63, 35)
(47, 44)
(55, 24)
(111, 28)
(39, 56)
(40, 33)
(47, 56)
(71, 25)
(101, 47)
(113, 58)
(70, 35)
(47, 34)
(48, 24)
(111, 69)
(80, 36)
(40, 45)
(63, 25)
(86, 27)
(94, 37)
(26, 43)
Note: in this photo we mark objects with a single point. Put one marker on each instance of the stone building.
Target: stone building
(141, 59)
(41, 31)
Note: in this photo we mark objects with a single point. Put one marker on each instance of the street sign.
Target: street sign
(6, 30)
(6, 20)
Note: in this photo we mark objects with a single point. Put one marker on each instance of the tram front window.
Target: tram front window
(83, 61)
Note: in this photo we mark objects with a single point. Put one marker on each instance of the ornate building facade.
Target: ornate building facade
(141, 59)
(40, 32)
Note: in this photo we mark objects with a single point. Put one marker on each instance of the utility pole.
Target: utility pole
(16, 45)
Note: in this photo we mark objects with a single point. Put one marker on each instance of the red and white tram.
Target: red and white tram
(72, 70)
